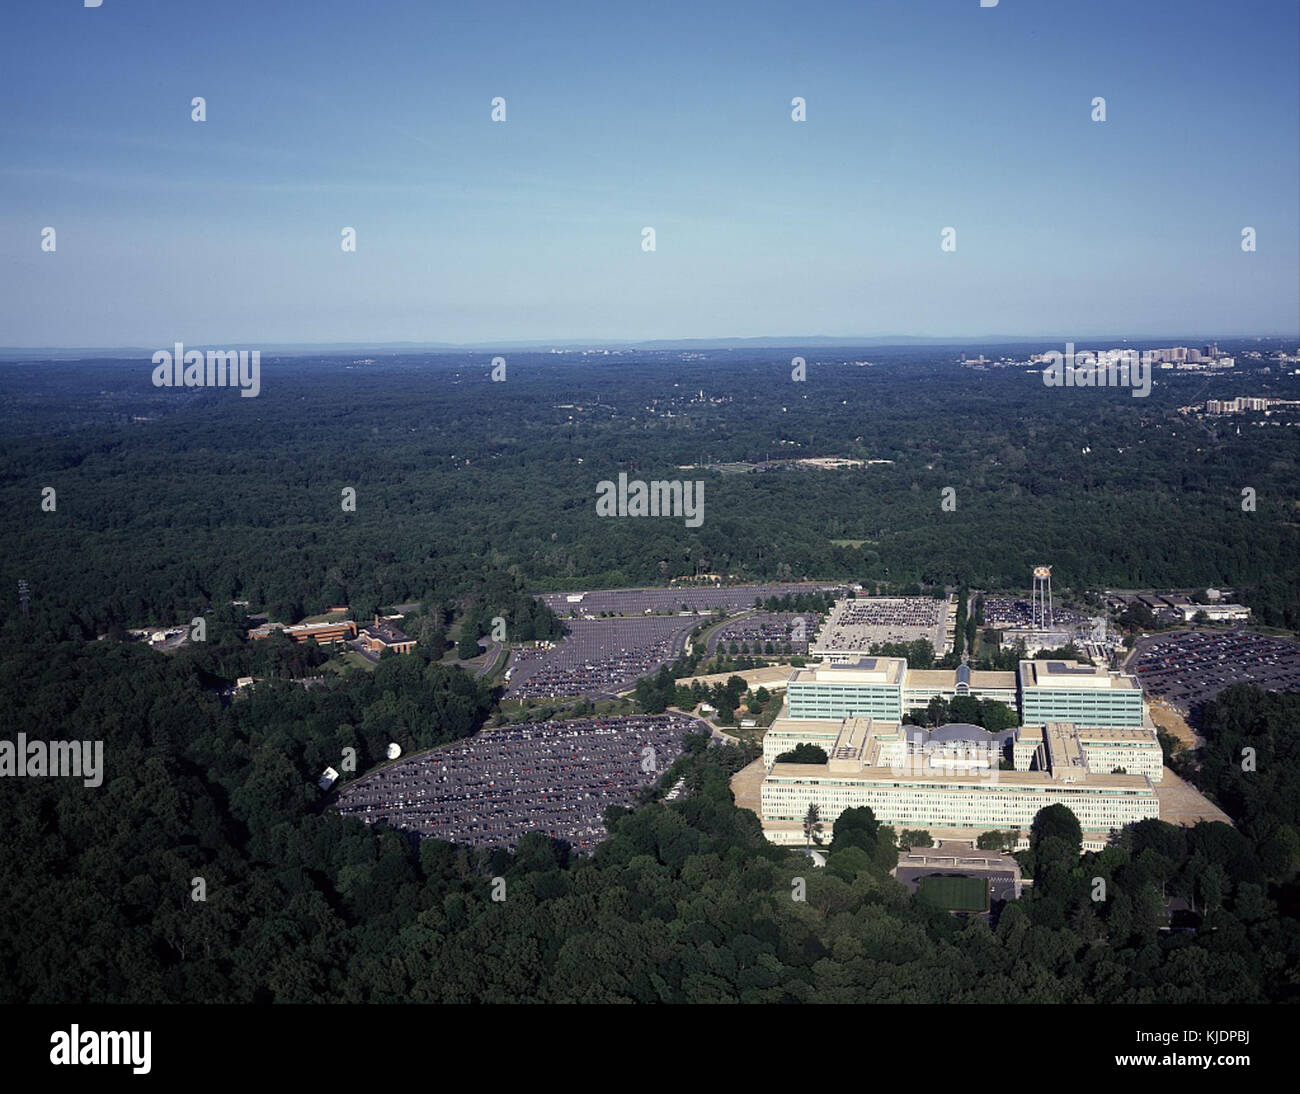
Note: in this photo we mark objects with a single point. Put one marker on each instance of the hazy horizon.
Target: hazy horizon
(757, 342)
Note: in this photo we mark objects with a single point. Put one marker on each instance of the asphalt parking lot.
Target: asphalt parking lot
(705, 598)
(599, 657)
(557, 778)
(862, 623)
(1005, 611)
(765, 627)
(1189, 668)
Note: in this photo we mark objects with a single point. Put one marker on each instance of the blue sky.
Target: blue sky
(922, 114)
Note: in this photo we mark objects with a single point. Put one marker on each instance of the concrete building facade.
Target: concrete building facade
(1085, 744)
(950, 781)
(1065, 691)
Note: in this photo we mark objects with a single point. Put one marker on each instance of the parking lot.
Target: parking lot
(557, 778)
(1005, 611)
(599, 657)
(1189, 668)
(764, 628)
(704, 598)
(857, 625)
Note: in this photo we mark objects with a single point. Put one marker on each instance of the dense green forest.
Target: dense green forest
(471, 495)
(172, 503)
(684, 902)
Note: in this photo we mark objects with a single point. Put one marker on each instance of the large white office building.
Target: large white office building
(1084, 743)
(948, 781)
(869, 687)
(1065, 691)
(885, 688)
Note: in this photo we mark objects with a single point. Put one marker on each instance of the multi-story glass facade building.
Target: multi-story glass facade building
(1065, 691)
(870, 688)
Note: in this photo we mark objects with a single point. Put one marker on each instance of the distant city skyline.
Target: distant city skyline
(574, 345)
(474, 233)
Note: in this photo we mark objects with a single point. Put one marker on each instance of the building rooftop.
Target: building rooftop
(301, 628)
(387, 633)
(982, 679)
(1065, 758)
(817, 727)
(960, 731)
(867, 670)
(1114, 733)
(963, 674)
(851, 745)
(957, 779)
(1072, 675)
(935, 678)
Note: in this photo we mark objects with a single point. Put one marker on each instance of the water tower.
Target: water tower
(1041, 602)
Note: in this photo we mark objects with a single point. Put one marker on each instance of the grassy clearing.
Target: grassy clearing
(955, 894)
(348, 659)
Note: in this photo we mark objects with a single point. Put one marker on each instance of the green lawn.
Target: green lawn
(955, 894)
(348, 659)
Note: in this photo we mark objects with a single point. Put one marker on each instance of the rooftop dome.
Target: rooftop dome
(960, 731)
